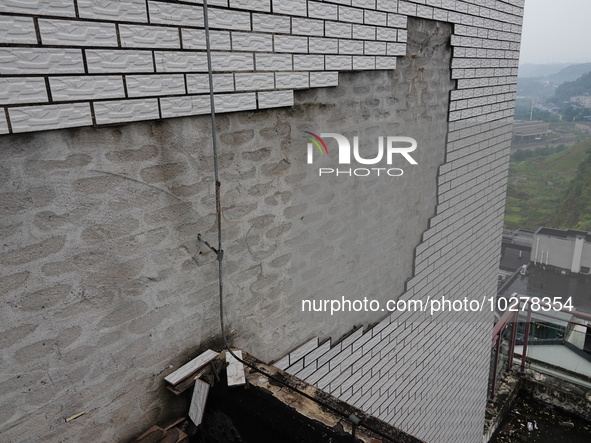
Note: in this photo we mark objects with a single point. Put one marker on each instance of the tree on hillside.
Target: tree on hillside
(575, 210)
(581, 86)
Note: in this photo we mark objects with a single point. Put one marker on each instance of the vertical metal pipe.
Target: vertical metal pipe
(495, 366)
(514, 323)
(220, 251)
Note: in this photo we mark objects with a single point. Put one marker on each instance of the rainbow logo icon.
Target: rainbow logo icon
(317, 141)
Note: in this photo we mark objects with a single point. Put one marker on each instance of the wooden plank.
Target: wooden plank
(235, 369)
(198, 401)
(75, 416)
(173, 423)
(181, 436)
(181, 387)
(184, 371)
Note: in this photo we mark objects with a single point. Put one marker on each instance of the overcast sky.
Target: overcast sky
(556, 31)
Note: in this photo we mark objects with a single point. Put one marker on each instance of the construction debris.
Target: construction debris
(198, 401)
(176, 432)
(235, 369)
(186, 384)
(194, 365)
(75, 416)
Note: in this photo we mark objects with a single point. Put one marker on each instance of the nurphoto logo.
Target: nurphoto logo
(402, 146)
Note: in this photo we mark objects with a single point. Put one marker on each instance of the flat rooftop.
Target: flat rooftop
(514, 256)
(559, 356)
(564, 233)
(545, 283)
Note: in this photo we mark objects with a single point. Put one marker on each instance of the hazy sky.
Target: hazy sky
(556, 31)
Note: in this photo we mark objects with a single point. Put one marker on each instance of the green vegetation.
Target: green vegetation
(575, 209)
(550, 185)
(523, 111)
(545, 151)
(580, 86)
(564, 92)
(538, 185)
(535, 87)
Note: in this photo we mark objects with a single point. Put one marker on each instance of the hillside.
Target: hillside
(580, 86)
(555, 73)
(531, 70)
(569, 73)
(541, 81)
(534, 87)
(537, 186)
(575, 209)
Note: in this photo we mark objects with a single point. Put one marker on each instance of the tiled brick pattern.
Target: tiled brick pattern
(42, 40)
(100, 44)
(436, 364)
(428, 375)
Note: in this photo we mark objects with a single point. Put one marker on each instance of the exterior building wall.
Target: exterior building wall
(530, 128)
(586, 256)
(558, 249)
(104, 286)
(554, 251)
(75, 63)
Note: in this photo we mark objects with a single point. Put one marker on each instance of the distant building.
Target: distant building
(523, 130)
(584, 127)
(568, 250)
(582, 100)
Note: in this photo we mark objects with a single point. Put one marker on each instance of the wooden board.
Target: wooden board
(198, 401)
(184, 371)
(181, 387)
(235, 369)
